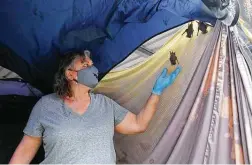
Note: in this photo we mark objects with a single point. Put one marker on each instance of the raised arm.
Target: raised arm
(132, 123)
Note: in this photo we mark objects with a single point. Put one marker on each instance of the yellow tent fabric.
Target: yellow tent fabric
(245, 29)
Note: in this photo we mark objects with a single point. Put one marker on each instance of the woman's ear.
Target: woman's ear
(70, 75)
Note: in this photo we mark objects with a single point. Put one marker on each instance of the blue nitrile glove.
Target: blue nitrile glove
(165, 80)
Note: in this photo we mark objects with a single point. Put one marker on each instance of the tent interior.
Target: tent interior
(204, 117)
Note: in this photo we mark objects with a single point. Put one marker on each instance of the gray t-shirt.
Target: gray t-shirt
(72, 138)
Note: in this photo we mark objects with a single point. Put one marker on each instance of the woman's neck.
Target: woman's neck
(80, 93)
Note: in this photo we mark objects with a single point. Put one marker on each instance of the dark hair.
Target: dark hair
(62, 86)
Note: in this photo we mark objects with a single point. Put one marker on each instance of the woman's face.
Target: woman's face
(80, 62)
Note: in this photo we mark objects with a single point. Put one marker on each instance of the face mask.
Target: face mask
(88, 76)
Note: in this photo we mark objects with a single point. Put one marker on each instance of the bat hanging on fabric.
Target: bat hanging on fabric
(173, 58)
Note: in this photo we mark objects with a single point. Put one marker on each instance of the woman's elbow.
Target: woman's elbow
(141, 128)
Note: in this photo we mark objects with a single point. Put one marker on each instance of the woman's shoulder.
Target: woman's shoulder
(50, 99)
(47, 103)
(98, 97)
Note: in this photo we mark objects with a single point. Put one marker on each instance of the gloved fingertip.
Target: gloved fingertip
(178, 69)
(176, 72)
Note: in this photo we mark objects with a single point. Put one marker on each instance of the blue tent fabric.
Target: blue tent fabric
(142, 10)
(18, 87)
(31, 28)
(38, 31)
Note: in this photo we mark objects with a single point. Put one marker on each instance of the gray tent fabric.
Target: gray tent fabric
(6, 73)
(246, 13)
(243, 88)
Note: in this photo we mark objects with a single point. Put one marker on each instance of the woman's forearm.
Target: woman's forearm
(26, 150)
(145, 116)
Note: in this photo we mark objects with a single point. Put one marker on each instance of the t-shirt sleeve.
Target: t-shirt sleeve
(119, 112)
(34, 126)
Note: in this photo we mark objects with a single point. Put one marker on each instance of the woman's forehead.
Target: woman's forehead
(79, 59)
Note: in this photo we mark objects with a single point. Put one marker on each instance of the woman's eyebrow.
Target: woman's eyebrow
(82, 60)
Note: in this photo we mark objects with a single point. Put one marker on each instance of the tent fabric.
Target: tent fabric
(206, 120)
(6, 73)
(245, 19)
(18, 87)
(147, 49)
(189, 106)
(246, 30)
(142, 11)
(246, 14)
(19, 68)
(118, 85)
(244, 46)
(241, 116)
(245, 100)
(40, 31)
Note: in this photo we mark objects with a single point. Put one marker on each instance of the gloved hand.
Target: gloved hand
(165, 80)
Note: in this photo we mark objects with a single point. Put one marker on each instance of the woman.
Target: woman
(77, 126)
